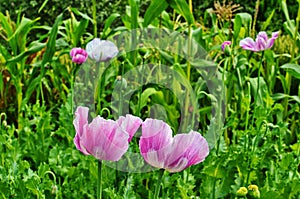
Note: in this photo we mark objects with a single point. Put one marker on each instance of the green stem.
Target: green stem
(188, 76)
(257, 90)
(158, 185)
(94, 11)
(248, 141)
(99, 180)
(19, 100)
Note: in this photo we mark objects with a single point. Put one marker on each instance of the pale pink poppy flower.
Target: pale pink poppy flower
(261, 43)
(101, 50)
(103, 139)
(161, 150)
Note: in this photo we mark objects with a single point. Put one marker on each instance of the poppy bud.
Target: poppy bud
(242, 191)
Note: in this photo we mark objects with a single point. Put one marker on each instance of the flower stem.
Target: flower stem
(157, 189)
(99, 181)
(257, 90)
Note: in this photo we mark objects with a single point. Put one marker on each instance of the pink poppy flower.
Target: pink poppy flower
(103, 139)
(78, 55)
(101, 50)
(261, 43)
(224, 44)
(161, 150)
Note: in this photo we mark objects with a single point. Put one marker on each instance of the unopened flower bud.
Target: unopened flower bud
(54, 189)
(226, 48)
(242, 191)
(120, 83)
(78, 55)
(253, 191)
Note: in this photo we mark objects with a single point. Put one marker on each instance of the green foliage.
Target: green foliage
(168, 78)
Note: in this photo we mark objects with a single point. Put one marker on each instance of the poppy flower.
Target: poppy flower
(101, 50)
(173, 154)
(261, 43)
(78, 55)
(103, 139)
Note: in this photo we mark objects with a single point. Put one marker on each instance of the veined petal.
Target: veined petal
(179, 165)
(156, 135)
(262, 36)
(155, 142)
(248, 44)
(189, 148)
(130, 124)
(108, 50)
(105, 140)
(80, 123)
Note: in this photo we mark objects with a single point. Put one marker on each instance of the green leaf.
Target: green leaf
(50, 49)
(36, 47)
(8, 29)
(134, 14)
(21, 33)
(42, 6)
(107, 25)
(155, 8)
(85, 16)
(279, 96)
(294, 69)
(262, 92)
(182, 7)
(268, 21)
(79, 31)
(242, 20)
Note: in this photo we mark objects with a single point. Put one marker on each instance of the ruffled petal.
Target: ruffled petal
(187, 149)
(155, 141)
(80, 123)
(130, 124)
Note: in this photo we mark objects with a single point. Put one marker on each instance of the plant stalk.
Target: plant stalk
(99, 180)
(94, 11)
(158, 185)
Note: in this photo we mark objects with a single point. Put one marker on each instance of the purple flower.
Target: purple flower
(224, 44)
(101, 50)
(103, 139)
(161, 150)
(78, 55)
(262, 42)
